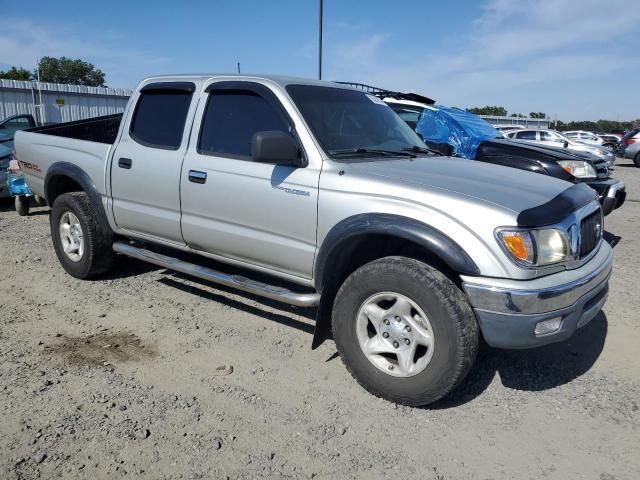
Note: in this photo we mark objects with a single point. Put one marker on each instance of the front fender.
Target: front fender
(432, 240)
(413, 231)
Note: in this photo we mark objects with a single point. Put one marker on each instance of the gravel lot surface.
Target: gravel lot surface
(120, 377)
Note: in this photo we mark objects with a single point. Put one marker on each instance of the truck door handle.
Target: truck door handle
(197, 176)
(125, 163)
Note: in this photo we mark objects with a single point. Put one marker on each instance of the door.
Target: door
(146, 165)
(258, 214)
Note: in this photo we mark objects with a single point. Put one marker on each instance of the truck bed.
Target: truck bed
(84, 143)
(97, 129)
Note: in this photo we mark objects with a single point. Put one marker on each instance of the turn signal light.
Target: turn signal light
(516, 245)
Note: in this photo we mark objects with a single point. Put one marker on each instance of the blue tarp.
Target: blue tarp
(462, 130)
(17, 185)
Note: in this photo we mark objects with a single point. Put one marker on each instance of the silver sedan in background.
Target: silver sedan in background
(553, 138)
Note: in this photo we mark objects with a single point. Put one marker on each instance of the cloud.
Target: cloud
(511, 44)
(22, 42)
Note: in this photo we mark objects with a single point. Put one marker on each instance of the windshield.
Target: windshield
(346, 121)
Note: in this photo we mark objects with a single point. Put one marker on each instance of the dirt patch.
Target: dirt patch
(102, 349)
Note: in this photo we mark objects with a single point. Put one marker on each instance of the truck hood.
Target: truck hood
(508, 188)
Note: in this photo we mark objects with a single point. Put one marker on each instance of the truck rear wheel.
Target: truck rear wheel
(404, 330)
(82, 246)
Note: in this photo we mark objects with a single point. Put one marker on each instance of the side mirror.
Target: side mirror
(276, 147)
(566, 144)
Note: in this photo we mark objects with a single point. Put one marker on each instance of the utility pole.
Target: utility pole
(320, 42)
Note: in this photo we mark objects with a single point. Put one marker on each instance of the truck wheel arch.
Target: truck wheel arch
(65, 177)
(398, 231)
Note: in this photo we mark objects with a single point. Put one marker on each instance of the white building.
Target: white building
(56, 103)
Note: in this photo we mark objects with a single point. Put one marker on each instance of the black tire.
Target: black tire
(22, 205)
(636, 160)
(98, 255)
(454, 326)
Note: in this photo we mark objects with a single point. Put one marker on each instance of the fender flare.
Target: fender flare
(414, 231)
(432, 239)
(69, 170)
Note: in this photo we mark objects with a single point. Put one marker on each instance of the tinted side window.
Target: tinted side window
(159, 118)
(526, 135)
(231, 119)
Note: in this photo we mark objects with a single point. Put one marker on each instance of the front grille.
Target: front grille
(590, 233)
(602, 170)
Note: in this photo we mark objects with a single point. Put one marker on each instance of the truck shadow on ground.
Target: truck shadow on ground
(533, 370)
(185, 284)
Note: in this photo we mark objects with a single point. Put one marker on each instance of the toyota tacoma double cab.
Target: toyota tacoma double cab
(327, 199)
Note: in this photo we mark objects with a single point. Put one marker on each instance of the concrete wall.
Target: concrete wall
(55, 103)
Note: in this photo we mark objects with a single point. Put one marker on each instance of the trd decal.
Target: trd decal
(29, 166)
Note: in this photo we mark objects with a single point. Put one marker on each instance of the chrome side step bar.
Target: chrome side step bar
(273, 292)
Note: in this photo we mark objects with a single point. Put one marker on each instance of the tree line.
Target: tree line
(59, 70)
(502, 112)
(599, 126)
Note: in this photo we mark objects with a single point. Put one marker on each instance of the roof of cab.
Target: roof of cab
(281, 80)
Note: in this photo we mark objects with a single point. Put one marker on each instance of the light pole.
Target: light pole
(320, 42)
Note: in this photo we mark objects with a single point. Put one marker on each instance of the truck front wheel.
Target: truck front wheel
(404, 330)
(82, 246)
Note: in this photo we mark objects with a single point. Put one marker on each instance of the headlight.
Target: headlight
(578, 169)
(534, 247)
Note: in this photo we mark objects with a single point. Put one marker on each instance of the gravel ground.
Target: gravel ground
(122, 376)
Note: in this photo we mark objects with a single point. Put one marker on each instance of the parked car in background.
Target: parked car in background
(456, 132)
(10, 125)
(6, 155)
(8, 128)
(553, 138)
(583, 136)
(630, 145)
(326, 198)
(610, 140)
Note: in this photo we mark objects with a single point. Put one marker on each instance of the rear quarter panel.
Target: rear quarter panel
(36, 152)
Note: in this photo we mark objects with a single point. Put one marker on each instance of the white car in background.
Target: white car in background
(583, 136)
(553, 138)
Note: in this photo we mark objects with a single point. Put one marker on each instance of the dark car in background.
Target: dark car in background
(8, 127)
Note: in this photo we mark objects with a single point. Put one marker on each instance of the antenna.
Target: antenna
(238, 67)
(320, 41)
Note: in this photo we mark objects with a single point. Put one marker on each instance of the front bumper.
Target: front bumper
(611, 193)
(508, 311)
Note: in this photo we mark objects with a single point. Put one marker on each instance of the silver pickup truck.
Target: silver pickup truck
(408, 256)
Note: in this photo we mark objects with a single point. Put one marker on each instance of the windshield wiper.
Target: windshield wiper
(418, 149)
(374, 151)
